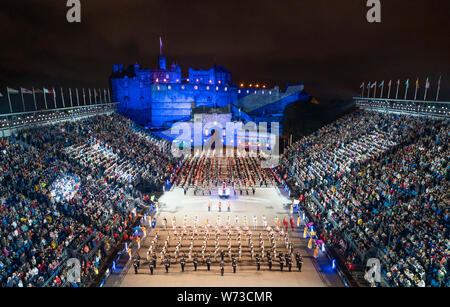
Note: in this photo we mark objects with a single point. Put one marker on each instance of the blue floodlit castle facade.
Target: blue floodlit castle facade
(159, 97)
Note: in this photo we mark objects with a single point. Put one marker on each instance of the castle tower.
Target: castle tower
(162, 62)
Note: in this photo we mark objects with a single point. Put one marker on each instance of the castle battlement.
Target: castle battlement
(158, 97)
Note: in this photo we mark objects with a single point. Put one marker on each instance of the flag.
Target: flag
(368, 84)
(439, 82)
(427, 83)
(407, 83)
(362, 85)
(25, 91)
(38, 91)
(417, 83)
(1, 95)
(12, 91)
(390, 83)
(373, 84)
(381, 84)
(160, 45)
(46, 91)
(398, 82)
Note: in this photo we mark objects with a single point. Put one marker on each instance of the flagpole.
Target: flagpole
(84, 96)
(78, 98)
(382, 87)
(398, 85)
(427, 84)
(23, 102)
(70, 95)
(90, 100)
(62, 95)
(109, 95)
(9, 100)
(34, 98)
(368, 92)
(439, 88)
(407, 87)
(54, 97)
(415, 94)
(389, 90)
(362, 94)
(100, 95)
(45, 99)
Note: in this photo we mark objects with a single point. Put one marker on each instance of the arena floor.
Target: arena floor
(266, 201)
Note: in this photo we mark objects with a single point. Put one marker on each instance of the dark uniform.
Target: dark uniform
(151, 268)
(234, 265)
(299, 264)
(208, 263)
(167, 265)
(269, 259)
(281, 263)
(222, 268)
(195, 263)
(289, 263)
(154, 261)
(182, 262)
(258, 263)
(136, 265)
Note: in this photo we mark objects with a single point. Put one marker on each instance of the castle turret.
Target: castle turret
(162, 62)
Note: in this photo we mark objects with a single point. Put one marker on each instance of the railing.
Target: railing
(436, 109)
(13, 121)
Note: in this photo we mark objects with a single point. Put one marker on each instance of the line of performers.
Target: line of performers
(257, 252)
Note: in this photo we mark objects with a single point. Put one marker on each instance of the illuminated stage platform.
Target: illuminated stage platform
(268, 203)
(224, 192)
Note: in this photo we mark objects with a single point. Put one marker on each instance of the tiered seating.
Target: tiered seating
(383, 193)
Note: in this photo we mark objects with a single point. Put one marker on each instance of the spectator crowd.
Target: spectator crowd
(378, 185)
(61, 195)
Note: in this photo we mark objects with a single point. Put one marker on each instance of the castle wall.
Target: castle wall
(158, 97)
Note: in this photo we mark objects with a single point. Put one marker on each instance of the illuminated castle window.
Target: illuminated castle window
(183, 87)
(196, 87)
(207, 88)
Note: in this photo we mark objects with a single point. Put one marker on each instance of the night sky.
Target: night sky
(329, 45)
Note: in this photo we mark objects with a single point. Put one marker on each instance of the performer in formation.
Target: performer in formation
(223, 242)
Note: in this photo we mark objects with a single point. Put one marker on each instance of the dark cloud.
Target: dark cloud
(327, 44)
